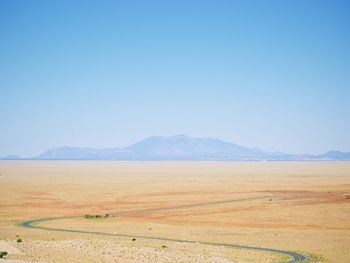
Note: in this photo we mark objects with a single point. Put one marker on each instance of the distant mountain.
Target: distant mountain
(11, 157)
(182, 147)
(335, 155)
(77, 153)
(178, 147)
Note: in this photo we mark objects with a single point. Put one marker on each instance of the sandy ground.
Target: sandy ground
(95, 250)
(307, 210)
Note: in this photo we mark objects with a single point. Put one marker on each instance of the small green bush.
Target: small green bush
(93, 216)
(134, 239)
(3, 254)
(19, 240)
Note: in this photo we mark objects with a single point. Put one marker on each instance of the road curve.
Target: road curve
(294, 257)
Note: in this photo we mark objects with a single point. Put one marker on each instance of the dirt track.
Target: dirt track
(294, 257)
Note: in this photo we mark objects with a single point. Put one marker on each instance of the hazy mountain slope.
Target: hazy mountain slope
(11, 157)
(77, 153)
(335, 155)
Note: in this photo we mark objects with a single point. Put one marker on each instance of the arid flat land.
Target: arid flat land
(303, 207)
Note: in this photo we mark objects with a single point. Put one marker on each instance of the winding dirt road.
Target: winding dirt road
(293, 256)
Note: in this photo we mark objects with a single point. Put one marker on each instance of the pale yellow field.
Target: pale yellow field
(304, 208)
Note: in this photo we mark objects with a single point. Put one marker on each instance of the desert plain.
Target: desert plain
(174, 211)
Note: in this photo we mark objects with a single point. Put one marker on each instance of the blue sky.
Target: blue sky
(267, 74)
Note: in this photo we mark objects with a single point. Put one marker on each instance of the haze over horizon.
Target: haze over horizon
(273, 75)
(176, 148)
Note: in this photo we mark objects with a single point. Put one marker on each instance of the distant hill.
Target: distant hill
(11, 157)
(178, 147)
(77, 153)
(335, 155)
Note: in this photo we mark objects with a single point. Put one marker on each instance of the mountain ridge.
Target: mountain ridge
(176, 147)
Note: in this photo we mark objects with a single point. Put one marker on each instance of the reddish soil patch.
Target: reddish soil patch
(37, 193)
(302, 197)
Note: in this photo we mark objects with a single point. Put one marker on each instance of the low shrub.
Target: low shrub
(3, 254)
(88, 216)
(92, 216)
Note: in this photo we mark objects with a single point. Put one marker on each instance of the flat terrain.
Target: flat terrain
(302, 207)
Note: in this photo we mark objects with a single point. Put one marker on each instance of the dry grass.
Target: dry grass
(308, 211)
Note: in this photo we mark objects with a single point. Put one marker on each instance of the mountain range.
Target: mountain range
(178, 147)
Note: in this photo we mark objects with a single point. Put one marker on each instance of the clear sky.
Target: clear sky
(267, 74)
